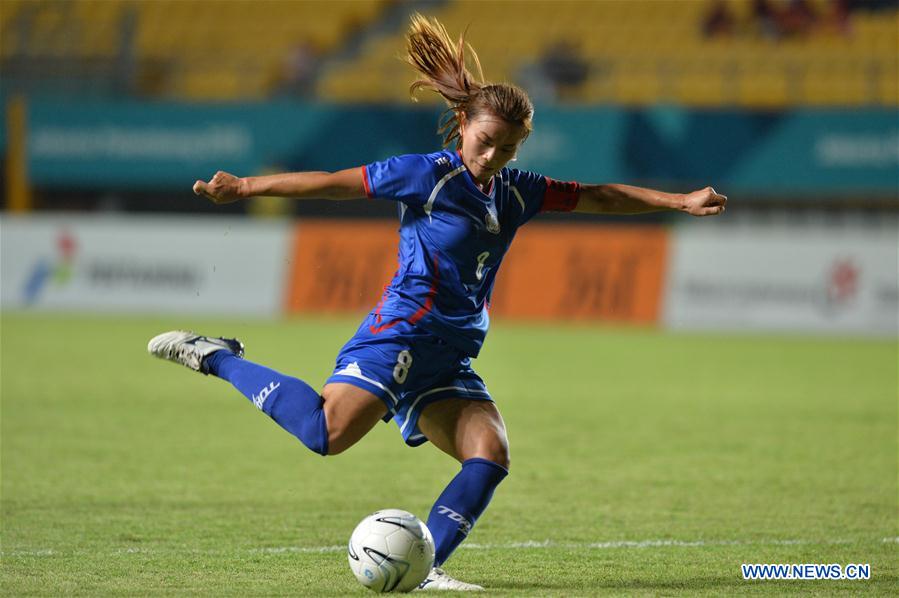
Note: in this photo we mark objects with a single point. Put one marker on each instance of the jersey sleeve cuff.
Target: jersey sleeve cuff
(365, 182)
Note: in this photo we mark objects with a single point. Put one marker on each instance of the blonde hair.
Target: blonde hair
(441, 63)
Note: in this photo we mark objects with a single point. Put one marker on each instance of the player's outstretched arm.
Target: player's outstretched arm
(343, 184)
(626, 199)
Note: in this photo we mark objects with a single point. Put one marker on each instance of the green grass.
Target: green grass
(122, 474)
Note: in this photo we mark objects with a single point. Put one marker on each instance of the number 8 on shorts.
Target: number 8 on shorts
(403, 363)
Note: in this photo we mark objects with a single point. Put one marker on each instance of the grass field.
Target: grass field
(642, 463)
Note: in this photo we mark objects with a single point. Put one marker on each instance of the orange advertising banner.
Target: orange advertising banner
(552, 271)
(341, 265)
(583, 272)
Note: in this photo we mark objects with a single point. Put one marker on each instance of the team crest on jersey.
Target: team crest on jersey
(492, 222)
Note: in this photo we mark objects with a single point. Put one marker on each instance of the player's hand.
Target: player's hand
(705, 202)
(222, 188)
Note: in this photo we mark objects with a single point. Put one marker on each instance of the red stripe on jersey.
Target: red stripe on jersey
(560, 196)
(418, 315)
(429, 300)
(382, 327)
(365, 181)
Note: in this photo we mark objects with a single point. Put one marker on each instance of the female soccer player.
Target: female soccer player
(410, 360)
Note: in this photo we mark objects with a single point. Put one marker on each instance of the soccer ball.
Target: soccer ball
(391, 551)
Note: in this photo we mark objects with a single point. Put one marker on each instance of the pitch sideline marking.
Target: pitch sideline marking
(529, 544)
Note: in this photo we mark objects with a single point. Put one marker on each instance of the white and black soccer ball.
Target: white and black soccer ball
(391, 551)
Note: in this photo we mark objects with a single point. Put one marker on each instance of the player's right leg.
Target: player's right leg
(473, 432)
(327, 424)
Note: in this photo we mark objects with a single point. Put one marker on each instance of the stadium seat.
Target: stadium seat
(676, 63)
(637, 51)
(205, 50)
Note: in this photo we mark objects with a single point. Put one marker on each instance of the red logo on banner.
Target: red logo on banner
(843, 283)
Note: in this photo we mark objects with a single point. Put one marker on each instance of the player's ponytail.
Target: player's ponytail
(441, 63)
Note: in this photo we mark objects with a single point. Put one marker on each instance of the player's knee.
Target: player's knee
(342, 435)
(349, 414)
(338, 439)
(498, 447)
(338, 430)
(501, 457)
(495, 449)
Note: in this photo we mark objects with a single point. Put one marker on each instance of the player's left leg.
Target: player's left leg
(473, 433)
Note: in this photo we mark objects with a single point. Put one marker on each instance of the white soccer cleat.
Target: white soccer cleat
(191, 350)
(437, 580)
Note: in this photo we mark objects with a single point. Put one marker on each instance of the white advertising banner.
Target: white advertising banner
(194, 264)
(834, 280)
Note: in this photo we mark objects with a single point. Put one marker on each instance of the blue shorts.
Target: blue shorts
(408, 368)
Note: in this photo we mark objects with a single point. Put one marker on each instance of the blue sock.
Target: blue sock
(460, 505)
(292, 403)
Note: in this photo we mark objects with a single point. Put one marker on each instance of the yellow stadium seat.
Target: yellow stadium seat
(664, 37)
(763, 87)
(639, 51)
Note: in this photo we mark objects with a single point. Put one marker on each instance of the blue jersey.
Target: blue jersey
(453, 237)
